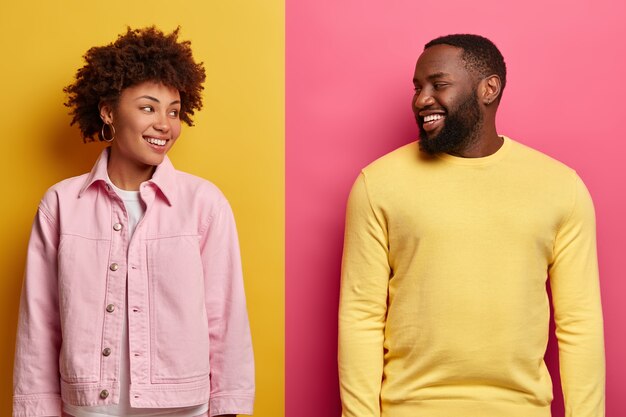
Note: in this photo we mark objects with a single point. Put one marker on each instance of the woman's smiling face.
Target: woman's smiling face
(146, 121)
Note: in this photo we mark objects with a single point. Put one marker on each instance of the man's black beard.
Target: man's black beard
(460, 129)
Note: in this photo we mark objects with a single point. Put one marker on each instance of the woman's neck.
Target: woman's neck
(128, 175)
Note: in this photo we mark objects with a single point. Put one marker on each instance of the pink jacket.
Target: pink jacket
(189, 336)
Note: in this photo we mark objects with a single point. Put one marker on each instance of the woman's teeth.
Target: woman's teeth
(155, 141)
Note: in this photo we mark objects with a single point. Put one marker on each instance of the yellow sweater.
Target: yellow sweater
(444, 310)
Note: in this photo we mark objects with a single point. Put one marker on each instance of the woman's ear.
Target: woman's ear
(106, 112)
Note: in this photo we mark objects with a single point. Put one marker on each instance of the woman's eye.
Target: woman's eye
(147, 109)
(174, 113)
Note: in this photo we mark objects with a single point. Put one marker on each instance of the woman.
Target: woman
(133, 301)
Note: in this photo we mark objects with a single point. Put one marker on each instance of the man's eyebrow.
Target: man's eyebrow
(434, 76)
(437, 75)
(157, 100)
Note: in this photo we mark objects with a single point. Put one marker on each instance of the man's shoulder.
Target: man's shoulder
(407, 160)
(396, 160)
(539, 162)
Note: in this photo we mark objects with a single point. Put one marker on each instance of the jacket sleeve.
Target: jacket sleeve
(577, 309)
(362, 305)
(36, 383)
(231, 357)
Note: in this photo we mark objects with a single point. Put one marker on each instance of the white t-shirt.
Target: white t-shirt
(135, 210)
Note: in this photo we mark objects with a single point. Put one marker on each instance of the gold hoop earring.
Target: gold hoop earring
(111, 128)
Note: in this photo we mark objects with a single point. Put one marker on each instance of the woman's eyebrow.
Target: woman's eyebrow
(149, 98)
(156, 100)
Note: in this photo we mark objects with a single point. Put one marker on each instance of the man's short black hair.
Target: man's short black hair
(479, 53)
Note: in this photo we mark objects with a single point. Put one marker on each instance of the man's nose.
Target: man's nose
(423, 99)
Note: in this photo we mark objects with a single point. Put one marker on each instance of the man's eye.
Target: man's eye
(417, 89)
(439, 86)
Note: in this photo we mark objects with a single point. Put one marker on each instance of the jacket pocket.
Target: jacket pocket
(82, 286)
(179, 329)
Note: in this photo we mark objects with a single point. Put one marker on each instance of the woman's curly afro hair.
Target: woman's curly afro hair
(138, 55)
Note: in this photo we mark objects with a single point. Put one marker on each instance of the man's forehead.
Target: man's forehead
(440, 59)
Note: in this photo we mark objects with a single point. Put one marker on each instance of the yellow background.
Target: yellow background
(237, 143)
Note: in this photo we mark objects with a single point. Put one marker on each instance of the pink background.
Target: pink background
(349, 70)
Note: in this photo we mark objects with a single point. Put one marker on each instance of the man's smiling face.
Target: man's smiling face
(445, 103)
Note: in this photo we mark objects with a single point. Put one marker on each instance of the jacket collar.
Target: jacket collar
(163, 178)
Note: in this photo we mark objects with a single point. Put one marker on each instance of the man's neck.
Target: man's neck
(486, 144)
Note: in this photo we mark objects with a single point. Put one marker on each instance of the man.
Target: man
(449, 242)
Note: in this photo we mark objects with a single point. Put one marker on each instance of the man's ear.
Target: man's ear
(489, 89)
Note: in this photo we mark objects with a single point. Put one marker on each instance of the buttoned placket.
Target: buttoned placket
(114, 302)
(138, 301)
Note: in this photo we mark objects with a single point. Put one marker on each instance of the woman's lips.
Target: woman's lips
(159, 145)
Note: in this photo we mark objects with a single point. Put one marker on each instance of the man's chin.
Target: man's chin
(426, 143)
(426, 146)
(423, 135)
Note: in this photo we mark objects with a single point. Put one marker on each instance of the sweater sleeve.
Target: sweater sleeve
(231, 358)
(577, 309)
(363, 306)
(36, 382)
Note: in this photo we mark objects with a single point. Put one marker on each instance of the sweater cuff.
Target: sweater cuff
(231, 404)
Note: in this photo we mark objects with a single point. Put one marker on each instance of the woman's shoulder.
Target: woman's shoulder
(69, 184)
(64, 189)
(191, 185)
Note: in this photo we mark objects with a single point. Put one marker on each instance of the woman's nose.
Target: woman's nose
(162, 124)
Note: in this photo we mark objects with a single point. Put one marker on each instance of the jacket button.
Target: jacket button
(110, 308)
(114, 267)
(104, 394)
(117, 227)
(106, 351)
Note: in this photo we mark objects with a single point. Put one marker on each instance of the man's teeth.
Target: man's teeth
(432, 117)
(155, 141)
